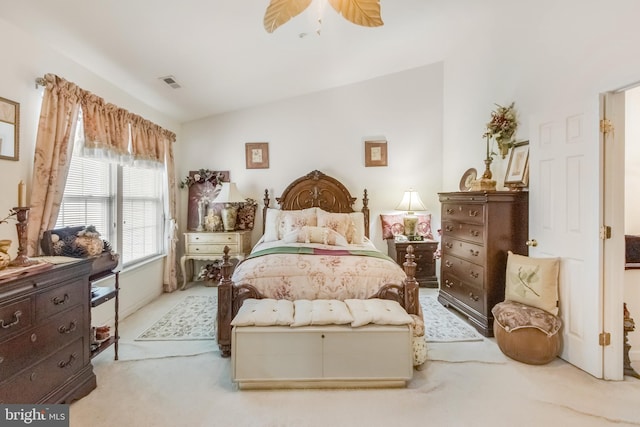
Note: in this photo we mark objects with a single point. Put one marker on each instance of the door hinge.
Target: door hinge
(605, 232)
(606, 126)
(604, 339)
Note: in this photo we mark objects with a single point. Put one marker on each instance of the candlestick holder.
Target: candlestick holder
(22, 260)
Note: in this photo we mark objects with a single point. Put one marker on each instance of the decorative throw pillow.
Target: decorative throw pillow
(295, 220)
(355, 233)
(393, 225)
(311, 234)
(533, 281)
(338, 222)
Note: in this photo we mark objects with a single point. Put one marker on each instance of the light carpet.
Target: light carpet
(441, 325)
(192, 319)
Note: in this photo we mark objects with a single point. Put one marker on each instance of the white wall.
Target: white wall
(24, 59)
(326, 131)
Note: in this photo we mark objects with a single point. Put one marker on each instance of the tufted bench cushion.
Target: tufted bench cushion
(264, 312)
(525, 333)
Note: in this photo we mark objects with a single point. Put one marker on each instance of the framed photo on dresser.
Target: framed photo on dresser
(517, 175)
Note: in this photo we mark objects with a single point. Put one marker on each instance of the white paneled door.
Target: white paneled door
(565, 218)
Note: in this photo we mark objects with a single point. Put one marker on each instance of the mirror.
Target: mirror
(9, 123)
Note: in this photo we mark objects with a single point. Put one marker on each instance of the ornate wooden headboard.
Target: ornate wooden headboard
(321, 191)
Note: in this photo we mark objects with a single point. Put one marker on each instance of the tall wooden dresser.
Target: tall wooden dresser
(478, 228)
(45, 335)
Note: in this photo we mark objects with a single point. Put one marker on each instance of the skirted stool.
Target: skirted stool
(525, 333)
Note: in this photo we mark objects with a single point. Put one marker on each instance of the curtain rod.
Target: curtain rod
(40, 81)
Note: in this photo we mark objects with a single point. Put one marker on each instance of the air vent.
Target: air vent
(171, 81)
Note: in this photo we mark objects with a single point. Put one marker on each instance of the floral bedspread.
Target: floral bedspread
(334, 272)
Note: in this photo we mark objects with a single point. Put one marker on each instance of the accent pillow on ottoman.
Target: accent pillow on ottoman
(532, 281)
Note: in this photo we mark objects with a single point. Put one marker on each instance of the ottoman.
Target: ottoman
(525, 333)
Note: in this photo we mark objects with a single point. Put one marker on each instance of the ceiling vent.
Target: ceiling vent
(171, 81)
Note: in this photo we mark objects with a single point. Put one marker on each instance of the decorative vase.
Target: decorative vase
(504, 148)
(229, 213)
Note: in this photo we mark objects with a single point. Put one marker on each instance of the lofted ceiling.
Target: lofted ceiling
(220, 54)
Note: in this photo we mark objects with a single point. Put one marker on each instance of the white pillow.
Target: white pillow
(355, 233)
(377, 311)
(311, 234)
(295, 220)
(320, 312)
(533, 281)
(338, 222)
(271, 224)
(264, 312)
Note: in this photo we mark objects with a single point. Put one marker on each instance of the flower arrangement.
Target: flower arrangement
(502, 127)
(202, 176)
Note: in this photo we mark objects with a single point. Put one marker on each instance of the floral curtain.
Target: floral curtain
(58, 117)
(170, 279)
(109, 131)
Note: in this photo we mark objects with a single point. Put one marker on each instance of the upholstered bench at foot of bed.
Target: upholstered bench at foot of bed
(317, 355)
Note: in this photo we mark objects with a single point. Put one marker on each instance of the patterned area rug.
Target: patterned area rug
(192, 319)
(441, 325)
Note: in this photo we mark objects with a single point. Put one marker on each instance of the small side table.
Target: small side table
(209, 246)
(425, 262)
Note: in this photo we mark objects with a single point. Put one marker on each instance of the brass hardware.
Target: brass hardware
(605, 232)
(67, 329)
(450, 211)
(474, 233)
(473, 213)
(473, 297)
(58, 300)
(604, 339)
(474, 253)
(474, 274)
(72, 358)
(448, 264)
(16, 316)
(532, 243)
(606, 126)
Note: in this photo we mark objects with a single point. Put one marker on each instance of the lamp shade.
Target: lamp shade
(229, 194)
(411, 202)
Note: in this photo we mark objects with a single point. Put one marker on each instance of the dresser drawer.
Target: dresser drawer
(465, 231)
(31, 385)
(15, 317)
(222, 238)
(468, 295)
(19, 352)
(209, 249)
(61, 298)
(463, 212)
(469, 251)
(471, 273)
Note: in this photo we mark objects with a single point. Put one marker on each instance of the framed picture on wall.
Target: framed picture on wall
(257, 155)
(375, 153)
(518, 169)
(9, 132)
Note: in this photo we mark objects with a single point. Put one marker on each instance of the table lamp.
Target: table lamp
(410, 203)
(229, 195)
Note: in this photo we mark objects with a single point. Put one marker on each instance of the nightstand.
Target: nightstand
(425, 264)
(209, 246)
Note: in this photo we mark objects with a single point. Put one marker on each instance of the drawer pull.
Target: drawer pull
(449, 228)
(474, 274)
(447, 283)
(449, 245)
(448, 264)
(474, 213)
(474, 253)
(474, 233)
(473, 297)
(67, 329)
(450, 211)
(13, 322)
(72, 358)
(59, 301)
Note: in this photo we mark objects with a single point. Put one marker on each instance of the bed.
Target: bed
(316, 246)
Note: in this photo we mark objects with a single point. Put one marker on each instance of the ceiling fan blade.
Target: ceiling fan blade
(360, 12)
(280, 11)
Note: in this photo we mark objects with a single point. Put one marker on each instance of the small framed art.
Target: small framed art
(518, 169)
(9, 132)
(257, 155)
(375, 153)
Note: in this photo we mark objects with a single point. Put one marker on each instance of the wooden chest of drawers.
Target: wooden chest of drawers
(478, 228)
(45, 336)
(425, 264)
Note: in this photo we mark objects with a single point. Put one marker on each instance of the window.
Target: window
(125, 204)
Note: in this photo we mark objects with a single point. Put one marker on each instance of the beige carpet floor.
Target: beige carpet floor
(183, 383)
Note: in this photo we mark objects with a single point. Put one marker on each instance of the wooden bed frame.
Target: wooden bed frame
(312, 190)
